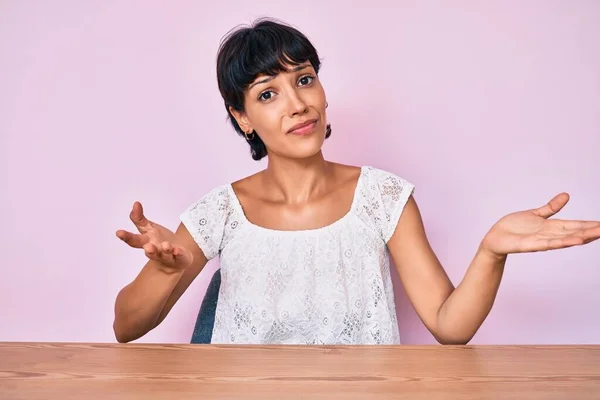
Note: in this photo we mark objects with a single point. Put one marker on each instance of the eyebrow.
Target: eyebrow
(271, 77)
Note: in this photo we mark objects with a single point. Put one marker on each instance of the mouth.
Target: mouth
(303, 127)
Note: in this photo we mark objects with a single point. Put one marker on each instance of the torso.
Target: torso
(314, 281)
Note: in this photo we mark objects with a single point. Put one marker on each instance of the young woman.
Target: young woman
(304, 244)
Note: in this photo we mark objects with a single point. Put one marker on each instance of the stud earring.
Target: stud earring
(248, 137)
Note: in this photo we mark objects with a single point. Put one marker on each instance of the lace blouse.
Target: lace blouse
(328, 285)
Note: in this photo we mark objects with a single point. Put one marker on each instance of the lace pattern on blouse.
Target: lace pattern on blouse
(329, 285)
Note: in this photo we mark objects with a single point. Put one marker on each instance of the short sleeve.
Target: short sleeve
(206, 219)
(394, 193)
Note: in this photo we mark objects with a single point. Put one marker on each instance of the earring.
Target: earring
(248, 137)
(326, 104)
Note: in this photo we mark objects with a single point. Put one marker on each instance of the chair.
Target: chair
(206, 316)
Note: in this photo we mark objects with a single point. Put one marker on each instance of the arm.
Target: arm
(452, 315)
(144, 303)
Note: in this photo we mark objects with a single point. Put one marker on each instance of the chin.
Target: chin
(306, 148)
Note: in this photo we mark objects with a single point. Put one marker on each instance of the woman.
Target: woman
(304, 244)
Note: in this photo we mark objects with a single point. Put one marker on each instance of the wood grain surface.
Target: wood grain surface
(153, 371)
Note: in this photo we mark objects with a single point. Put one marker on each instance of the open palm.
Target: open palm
(532, 230)
(158, 242)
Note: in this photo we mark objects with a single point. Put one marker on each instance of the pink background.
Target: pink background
(488, 107)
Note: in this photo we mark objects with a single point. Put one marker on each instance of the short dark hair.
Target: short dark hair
(265, 47)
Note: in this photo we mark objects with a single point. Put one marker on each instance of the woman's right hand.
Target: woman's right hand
(158, 242)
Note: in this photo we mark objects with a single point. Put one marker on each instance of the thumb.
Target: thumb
(138, 218)
(553, 206)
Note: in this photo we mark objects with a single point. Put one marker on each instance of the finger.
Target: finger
(182, 256)
(132, 239)
(575, 239)
(166, 254)
(584, 230)
(152, 252)
(166, 247)
(553, 206)
(138, 218)
(175, 255)
(590, 235)
(580, 225)
(565, 242)
(161, 252)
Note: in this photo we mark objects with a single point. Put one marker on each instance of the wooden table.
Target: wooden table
(126, 371)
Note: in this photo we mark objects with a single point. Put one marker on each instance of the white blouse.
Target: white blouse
(328, 285)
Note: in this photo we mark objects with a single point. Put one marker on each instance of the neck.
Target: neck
(295, 181)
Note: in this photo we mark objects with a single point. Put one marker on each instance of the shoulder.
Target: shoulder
(207, 219)
(217, 194)
(345, 176)
(248, 187)
(385, 180)
(383, 197)
(224, 196)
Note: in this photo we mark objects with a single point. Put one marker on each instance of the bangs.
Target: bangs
(267, 48)
(270, 53)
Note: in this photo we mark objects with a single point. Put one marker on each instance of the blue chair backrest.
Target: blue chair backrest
(206, 316)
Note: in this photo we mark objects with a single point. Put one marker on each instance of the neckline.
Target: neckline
(339, 221)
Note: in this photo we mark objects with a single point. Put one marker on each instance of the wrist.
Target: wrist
(490, 255)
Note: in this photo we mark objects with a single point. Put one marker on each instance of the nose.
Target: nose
(296, 104)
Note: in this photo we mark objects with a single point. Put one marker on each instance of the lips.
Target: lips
(302, 126)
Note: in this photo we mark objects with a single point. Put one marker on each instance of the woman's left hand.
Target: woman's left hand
(532, 230)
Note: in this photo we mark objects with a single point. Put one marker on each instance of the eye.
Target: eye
(266, 95)
(306, 80)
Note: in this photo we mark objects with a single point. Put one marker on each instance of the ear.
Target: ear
(241, 119)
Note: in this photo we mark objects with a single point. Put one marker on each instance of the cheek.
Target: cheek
(268, 122)
(319, 95)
